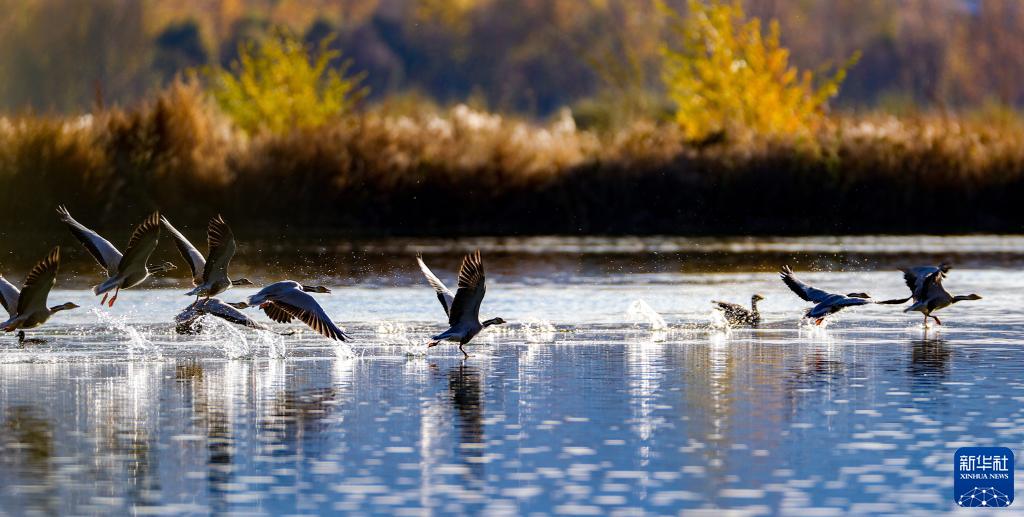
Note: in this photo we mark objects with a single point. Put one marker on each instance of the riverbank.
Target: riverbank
(463, 171)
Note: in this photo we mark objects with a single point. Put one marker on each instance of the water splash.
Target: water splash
(273, 342)
(397, 334)
(639, 312)
(718, 323)
(225, 337)
(138, 344)
(536, 330)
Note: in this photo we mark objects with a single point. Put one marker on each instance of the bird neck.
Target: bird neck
(61, 307)
(962, 298)
(753, 305)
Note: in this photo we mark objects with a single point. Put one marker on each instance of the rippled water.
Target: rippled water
(614, 389)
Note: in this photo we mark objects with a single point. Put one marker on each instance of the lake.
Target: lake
(614, 389)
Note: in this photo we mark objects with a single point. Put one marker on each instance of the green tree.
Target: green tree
(730, 78)
(277, 85)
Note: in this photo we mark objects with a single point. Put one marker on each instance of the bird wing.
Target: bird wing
(226, 312)
(221, 247)
(101, 249)
(38, 283)
(195, 260)
(142, 243)
(9, 296)
(444, 295)
(304, 308)
(923, 280)
(276, 313)
(466, 304)
(730, 307)
(808, 293)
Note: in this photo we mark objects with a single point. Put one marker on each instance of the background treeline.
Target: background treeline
(524, 56)
(514, 117)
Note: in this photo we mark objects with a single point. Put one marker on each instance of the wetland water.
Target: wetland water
(585, 403)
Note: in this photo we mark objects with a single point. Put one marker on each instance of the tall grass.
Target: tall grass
(460, 170)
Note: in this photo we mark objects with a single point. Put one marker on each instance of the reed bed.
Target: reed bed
(459, 170)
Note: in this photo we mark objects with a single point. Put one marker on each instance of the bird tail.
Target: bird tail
(108, 285)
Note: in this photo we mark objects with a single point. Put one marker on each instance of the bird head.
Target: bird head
(239, 305)
(859, 295)
(242, 281)
(945, 267)
(756, 298)
(64, 307)
(493, 321)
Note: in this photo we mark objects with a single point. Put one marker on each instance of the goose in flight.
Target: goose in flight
(123, 271)
(209, 274)
(925, 283)
(826, 303)
(27, 308)
(186, 322)
(737, 314)
(287, 300)
(463, 307)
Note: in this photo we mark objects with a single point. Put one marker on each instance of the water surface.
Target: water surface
(614, 389)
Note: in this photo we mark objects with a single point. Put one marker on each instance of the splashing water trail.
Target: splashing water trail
(397, 334)
(538, 330)
(718, 323)
(225, 337)
(138, 344)
(274, 343)
(640, 312)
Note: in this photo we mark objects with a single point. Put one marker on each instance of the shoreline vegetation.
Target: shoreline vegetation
(743, 143)
(465, 171)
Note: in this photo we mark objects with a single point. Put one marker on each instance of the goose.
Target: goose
(827, 303)
(463, 308)
(209, 274)
(27, 308)
(737, 314)
(287, 300)
(925, 283)
(123, 271)
(186, 321)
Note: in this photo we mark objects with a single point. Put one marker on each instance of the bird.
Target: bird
(209, 274)
(925, 283)
(463, 308)
(826, 303)
(287, 300)
(27, 308)
(187, 321)
(737, 314)
(123, 271)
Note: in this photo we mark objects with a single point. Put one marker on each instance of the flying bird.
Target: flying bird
(27, 308)
(123, 271)
(288, 300)
(925, 283)
(826, 303)
(463, 308)
(210, 273)
(187, 321)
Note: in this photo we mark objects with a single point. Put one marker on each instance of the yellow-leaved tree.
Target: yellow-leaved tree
(728, 78)
(278, 85)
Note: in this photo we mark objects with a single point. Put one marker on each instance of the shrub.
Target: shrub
(277, 85)
(728, 78)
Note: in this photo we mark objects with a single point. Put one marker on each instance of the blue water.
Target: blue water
(583, 404)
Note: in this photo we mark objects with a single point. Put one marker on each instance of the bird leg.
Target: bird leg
(937, 320)
(819, 320)
(104, 300)
(114, 299)
(464, 354)
(21, 336)
(432, 344)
